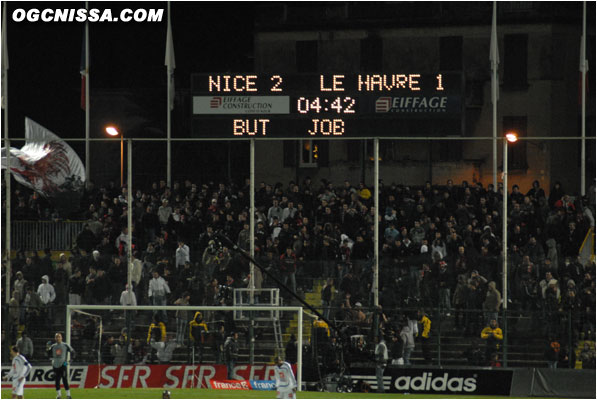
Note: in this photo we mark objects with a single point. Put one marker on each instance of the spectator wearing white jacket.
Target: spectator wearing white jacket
(183, 254)
(157, 291)
(47, 295)
(408, 340)
(122, 242)
(165, 349)
(136, 270)
(46, 291)
(128, 298)
(381, 360)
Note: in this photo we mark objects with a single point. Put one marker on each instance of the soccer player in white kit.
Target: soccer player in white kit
(19, 371)
(285, 381)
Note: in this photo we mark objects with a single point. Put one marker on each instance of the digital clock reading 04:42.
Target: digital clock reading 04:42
(340, 105)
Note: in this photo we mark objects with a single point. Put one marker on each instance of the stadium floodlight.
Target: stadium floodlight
(144, 314)
(112, 130)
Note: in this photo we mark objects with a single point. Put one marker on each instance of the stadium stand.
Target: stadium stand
(440, 251)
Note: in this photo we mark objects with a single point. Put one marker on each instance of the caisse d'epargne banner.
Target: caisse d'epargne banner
(43, 377)
(150, 376)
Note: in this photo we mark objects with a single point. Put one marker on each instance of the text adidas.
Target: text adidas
(427, 382)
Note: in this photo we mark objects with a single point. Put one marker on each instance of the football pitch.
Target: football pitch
(217, 394)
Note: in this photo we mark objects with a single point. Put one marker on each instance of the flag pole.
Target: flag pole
(170, 65)
(129, 213)
(7, 208)
(252, 246)
(376, 231)
(87, 111)
(583, 122)
(494, 59)
(7, 151)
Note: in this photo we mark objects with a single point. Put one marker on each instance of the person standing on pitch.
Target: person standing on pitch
(381, 360)
(59, 350)
(19, 371)
(285, 381)
(231, 352)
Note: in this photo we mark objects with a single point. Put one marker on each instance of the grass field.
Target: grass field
(214, 394)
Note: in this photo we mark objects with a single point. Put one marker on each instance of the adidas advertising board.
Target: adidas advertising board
(439, 381)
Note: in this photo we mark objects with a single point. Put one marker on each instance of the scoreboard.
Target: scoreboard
(316, 106)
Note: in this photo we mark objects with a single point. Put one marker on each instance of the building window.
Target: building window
(515, 60)
(309, 153)
(517, 152)
(450, 53)
(306, 56)
(313, 153)
(372, 54)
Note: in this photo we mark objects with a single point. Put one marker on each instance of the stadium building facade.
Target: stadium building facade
(539, 90)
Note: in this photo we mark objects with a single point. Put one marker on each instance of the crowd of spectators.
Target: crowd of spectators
(440, 247)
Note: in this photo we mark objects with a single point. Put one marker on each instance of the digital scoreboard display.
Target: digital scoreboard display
(303, 106)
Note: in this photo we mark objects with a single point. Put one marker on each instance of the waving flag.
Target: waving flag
(587, 249)
(46, 164)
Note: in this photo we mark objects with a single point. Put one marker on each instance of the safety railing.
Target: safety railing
(38, 235)
(528, 339)
(462, 337)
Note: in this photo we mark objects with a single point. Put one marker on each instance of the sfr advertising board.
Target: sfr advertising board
(148, 376)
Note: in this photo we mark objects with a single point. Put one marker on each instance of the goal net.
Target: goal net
(86, 328)
(184, 346)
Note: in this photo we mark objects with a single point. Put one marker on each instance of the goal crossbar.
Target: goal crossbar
(298, 310)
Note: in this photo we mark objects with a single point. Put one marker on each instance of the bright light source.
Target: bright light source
(112, 131)
(512, 137)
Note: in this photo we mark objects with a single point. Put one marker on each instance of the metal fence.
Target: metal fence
(37, 235)
(525, 337)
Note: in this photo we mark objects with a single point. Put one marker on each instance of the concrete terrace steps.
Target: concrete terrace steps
(313, 298)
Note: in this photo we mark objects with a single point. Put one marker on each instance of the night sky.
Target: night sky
(44, 80)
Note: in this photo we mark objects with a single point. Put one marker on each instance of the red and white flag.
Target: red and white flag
(46, 164)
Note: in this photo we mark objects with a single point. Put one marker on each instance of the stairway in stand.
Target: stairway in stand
(312, 298)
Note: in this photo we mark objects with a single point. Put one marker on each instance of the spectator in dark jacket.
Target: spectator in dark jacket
(86, 239)
(444, 281)
(31, 271)
(101, 289)
(231, 353)
(45, 263)
(60, 282)
(288, 268)
(76, 288)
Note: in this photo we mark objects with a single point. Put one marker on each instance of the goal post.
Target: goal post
(274, 310)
